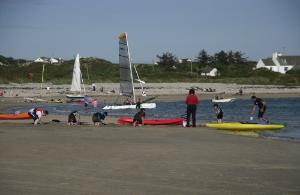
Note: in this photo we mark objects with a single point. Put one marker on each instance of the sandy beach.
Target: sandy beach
(58, 159)
(54, 158)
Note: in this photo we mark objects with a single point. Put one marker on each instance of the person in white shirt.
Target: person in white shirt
(37, 114)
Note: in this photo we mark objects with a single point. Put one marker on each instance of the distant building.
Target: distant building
(53, 61)
(279, 63)
(209, 71)
(48, 60)
(41, 59)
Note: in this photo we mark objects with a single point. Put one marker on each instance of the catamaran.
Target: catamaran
(76, 81)
(126, 78)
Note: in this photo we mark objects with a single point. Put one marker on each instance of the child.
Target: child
(73, 118)
(98, 118)
(95, 104)
(37, 114)
(219, 113)
(138, 119)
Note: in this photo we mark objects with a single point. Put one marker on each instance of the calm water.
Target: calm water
(279, 110)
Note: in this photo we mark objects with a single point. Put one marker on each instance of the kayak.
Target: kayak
(176, 121)
(244, 126)
(21, 116)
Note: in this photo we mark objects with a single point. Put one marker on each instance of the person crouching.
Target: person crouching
(74, 118)
(98, 118)
(36, 114)
(138, 119)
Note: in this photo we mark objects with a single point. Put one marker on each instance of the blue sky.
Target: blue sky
(61, 28)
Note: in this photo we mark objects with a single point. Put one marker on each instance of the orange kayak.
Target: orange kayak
(21, 116)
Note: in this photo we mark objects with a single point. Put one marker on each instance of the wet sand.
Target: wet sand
(54, 158)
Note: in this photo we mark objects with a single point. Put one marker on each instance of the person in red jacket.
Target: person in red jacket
(191, 102)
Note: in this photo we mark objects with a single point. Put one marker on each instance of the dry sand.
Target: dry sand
(54, 158)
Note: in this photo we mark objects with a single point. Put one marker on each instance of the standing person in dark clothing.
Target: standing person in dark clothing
(261, 106)
(219, 113)
(191, 102)
(138, 103)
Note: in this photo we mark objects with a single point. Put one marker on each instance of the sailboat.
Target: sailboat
(126, 78)
(76, 81)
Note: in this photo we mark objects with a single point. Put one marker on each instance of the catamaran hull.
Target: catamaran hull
(223, 100)
(133, 106)
(75, 97)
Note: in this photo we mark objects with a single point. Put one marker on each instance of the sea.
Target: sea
(279, 111)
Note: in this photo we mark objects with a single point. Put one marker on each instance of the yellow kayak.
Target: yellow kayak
(244, 126)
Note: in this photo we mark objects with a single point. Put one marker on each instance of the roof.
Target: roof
(268, 62)
(289, 60)
(206, 69)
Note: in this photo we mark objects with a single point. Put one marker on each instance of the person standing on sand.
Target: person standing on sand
(219, 113)
(36, 114)
(138, 103)
(191, 102)
(261, 107)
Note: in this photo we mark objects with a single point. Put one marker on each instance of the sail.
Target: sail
(76, 80)
(126, 78)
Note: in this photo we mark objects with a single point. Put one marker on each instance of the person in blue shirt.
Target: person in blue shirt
(86, 101)
(98, 118)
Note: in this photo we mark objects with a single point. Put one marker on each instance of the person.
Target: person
(36, 114)
(138, 119)
(95, 104)
(98, 118)
(219, 113)
(86, 101)
(74, 118)
(94, 87)
(127, 101)
(191, 102)
(261, 107)
(138, 103)
(241, 91)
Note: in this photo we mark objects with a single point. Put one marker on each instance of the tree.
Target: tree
(238, 57)
(167, 61)
(203, 57)
(230, 57)
(220, 58)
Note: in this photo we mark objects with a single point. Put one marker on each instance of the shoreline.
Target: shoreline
(162, 90)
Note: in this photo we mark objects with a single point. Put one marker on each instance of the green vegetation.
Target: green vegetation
(233, 67)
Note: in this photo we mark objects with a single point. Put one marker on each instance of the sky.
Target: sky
(62, 28)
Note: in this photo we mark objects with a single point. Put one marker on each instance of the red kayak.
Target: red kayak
(176, 121)
(21, 116)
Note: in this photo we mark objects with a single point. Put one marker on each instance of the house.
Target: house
(209, 71)
(279, 63)
(42, 60)
(53, 61)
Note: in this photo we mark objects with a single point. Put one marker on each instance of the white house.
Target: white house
(279, 63)
(209, 71)
(53, 61)
(40, 59)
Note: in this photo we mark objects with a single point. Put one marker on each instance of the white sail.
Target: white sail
(126, 78)
(76, 79)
